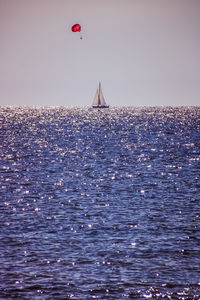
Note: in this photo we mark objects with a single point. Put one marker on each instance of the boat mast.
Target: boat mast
(99, 101)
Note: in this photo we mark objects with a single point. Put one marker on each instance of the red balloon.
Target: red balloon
(76, 27)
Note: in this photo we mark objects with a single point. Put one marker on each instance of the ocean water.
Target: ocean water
(100, 204)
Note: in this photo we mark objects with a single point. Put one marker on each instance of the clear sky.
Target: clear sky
(144, 52)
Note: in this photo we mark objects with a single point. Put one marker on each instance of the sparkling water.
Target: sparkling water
(100, 204)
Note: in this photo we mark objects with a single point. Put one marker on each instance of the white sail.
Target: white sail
(99, 100)
(96, 98)
(101, 97)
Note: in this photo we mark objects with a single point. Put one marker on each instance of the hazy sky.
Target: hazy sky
(144, 52)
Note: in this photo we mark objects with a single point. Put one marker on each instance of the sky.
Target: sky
(144, 52)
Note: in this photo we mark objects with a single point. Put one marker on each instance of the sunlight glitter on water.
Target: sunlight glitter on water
(99, 203)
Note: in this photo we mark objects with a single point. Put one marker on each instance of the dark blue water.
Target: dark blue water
(100, 204)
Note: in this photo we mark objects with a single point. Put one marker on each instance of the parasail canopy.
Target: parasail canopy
(76, 27)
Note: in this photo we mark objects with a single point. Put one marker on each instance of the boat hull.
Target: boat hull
(100, 106)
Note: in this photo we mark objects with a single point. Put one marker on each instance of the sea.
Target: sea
(99, 204)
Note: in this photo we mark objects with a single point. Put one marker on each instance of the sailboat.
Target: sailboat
(99, 101)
